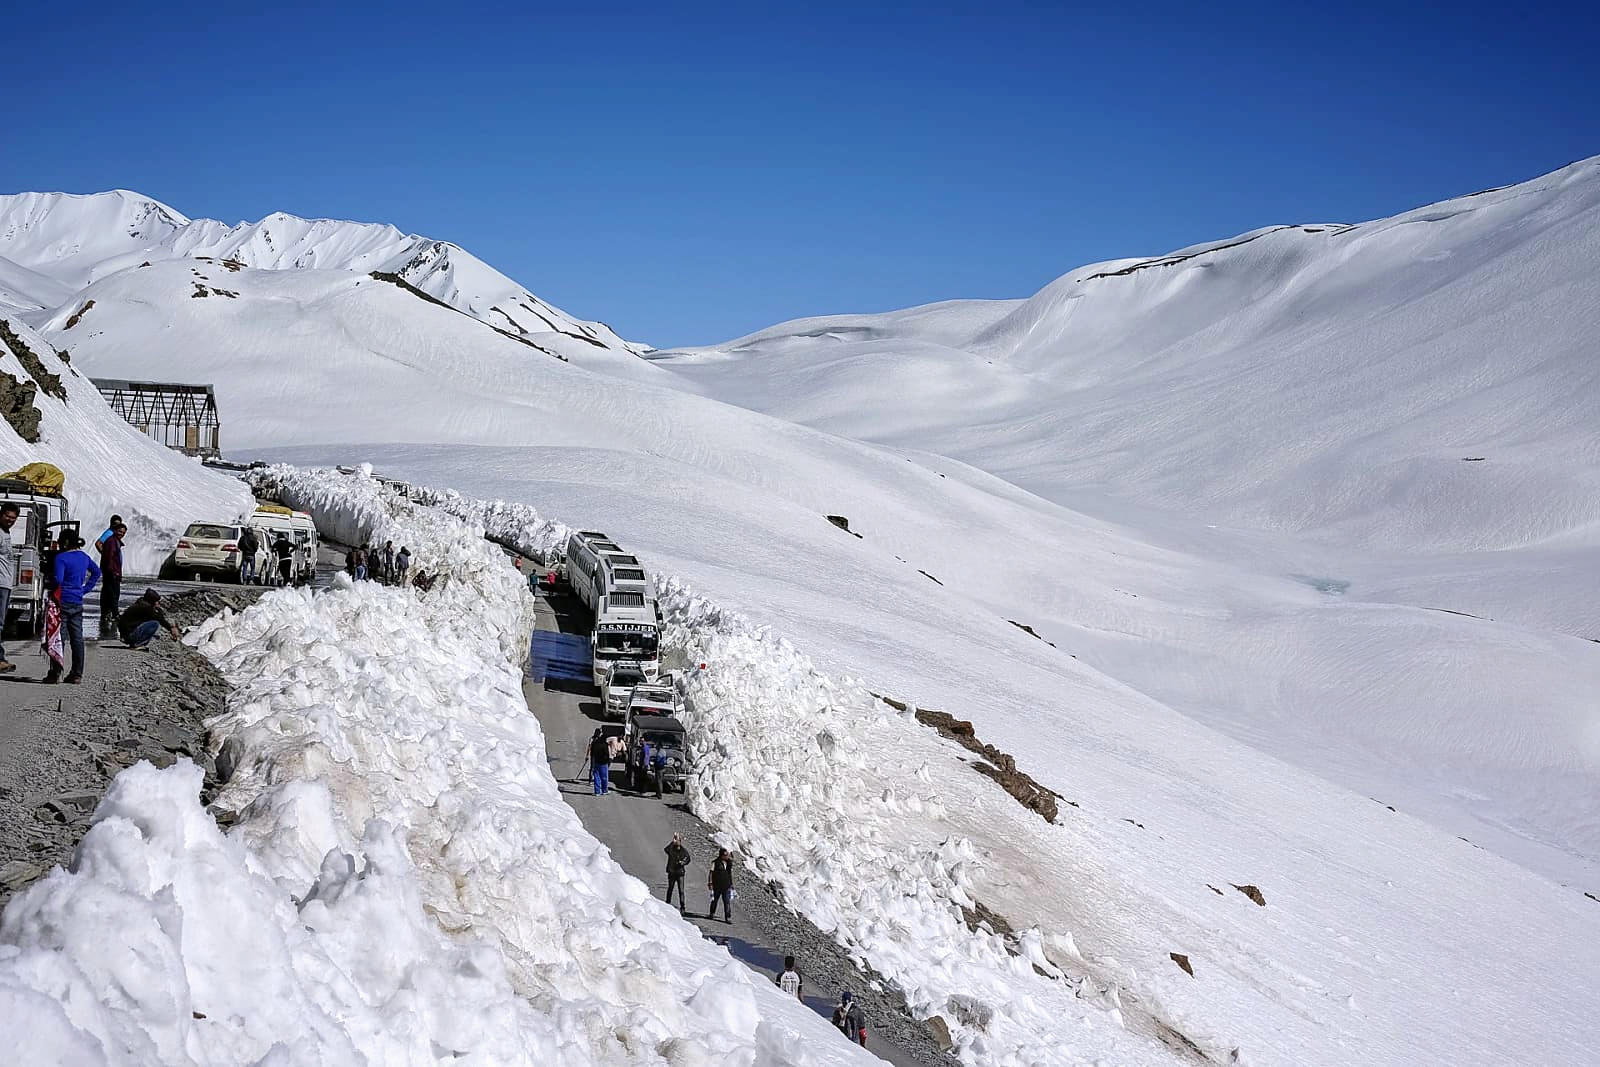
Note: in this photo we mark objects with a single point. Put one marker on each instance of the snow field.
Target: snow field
(111, 468)
(404, 882)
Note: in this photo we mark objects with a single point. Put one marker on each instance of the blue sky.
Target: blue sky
(690, 175)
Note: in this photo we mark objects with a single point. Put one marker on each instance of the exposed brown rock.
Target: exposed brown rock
(1182, 961)
(1252, 892)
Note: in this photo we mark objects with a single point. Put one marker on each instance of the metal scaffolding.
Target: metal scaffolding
(180, 416)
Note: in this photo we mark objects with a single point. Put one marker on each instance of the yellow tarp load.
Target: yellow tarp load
(273, 509)
(44, 477)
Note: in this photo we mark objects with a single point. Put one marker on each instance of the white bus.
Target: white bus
(585, 553)
(626, 626)
(622, 574)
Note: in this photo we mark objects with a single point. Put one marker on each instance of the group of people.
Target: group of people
(847, 1017)
(719, 879)
(280, 548)
(69, 579)
(367, 563)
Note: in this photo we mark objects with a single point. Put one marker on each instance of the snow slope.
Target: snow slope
(110, 467)
(1239, 704)
(75, 240)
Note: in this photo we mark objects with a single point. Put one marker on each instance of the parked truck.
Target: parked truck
(42, 513)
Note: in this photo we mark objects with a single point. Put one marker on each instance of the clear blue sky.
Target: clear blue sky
(691, 175)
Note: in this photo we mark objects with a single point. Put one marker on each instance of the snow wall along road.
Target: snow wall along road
(404, 882)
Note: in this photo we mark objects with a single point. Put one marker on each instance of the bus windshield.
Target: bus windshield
(636, 642)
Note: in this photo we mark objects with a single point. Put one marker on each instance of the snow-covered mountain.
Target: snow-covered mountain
(1305, 520)
(74, 240)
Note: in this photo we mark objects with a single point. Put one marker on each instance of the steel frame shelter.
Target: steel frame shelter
(182, 417)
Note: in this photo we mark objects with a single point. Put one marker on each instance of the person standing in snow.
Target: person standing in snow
(600, 763)
(849, 1020)
(789, 981)
(388, 561)
(678, 860)
(111, 579)
(402, 565)
(249, 544)
(76, 575)
(9, 513)
(719, 883)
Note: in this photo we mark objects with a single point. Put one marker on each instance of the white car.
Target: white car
(651, 699)
(618, 685)
(212, 548)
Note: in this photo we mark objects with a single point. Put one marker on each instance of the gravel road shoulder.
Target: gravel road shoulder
(61, 744)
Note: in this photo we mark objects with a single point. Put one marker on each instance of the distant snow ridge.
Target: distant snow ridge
(72, 241)
(404, 884)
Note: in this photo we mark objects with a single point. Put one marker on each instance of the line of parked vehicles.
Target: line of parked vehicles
(206, 549)
(636, 695)
(218, 550)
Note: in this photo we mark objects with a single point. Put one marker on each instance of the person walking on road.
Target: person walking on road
(789, 981)
(111, 579)
(76, 575)
(143, 619)
(249, 545)
(678, 860)
(719, 883)
(284, 549)
(600, 763)
(848, 1019)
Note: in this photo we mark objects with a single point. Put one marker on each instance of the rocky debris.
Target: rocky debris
(193, 606)
(1252, 892)
(941, 1033)
(1025, 628)
(843, 524)
(77, 316)
(925, 574)
(969, 1011)
(17, 407)
(1000, 766)
(48, 381)
(1182, 961)
(18, 873)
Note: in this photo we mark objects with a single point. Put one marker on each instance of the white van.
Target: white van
(299, 528)
(626, 626)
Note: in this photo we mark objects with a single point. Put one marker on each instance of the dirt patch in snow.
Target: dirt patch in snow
(1000, 766)
(77, 316)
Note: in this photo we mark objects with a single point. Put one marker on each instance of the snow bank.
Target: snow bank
(404, 882)
(112, 468)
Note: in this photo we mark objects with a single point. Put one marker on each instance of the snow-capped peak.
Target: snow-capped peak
(73, 240)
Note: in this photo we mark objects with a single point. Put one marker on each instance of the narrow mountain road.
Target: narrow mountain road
(637, 827)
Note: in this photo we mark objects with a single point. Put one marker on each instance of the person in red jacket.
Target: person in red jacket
(111, 577)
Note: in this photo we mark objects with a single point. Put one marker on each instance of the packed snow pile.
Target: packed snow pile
(110, 467)
(789, 766)
(69, 241)
(404, 882)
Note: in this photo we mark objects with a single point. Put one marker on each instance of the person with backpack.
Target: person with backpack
(249, 545)
(849, 1021)
(75, 576)
(678, 860)
(719, 883)
(789, 981)
(111, 578)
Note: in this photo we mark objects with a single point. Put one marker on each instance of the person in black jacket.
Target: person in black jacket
(600, 764)
(249, 543)
(678, 860)
(719, 880)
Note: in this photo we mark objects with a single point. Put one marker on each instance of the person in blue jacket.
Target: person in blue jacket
(76, 575)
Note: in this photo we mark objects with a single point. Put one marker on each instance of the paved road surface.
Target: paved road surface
(637, 827)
